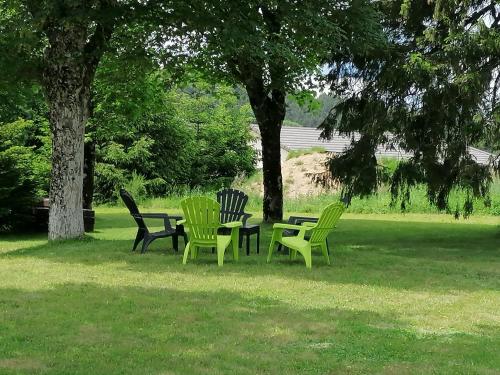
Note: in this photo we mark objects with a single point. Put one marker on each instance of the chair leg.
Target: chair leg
(307, 257)
(138, 238)
(258, 241)
(175, 242)
(186, 253)
(235, 238)
(324, 250)
(248, 244)
(271, 245)
(145, 243)
(220, 255)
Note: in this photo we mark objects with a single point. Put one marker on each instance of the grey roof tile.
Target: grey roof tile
(300, 138)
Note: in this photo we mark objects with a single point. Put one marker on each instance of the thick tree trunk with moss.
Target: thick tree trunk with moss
(70, 61)
(270, 112)
(68, 92)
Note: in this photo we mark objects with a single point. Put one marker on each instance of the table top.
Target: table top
(301, 219)
(250, 226)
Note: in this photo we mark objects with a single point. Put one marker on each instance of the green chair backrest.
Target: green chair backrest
(327, 221)
(202, 216)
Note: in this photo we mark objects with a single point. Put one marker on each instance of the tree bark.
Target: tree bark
(70, 62)
(270, 112)
(268, 105)
(68, 94)
(271, 170)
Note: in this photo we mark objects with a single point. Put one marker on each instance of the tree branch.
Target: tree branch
(98, 41)
(477, 15)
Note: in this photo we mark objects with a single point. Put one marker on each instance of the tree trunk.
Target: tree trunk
(270, 112)
(88, 174)
(271, 170)
(67, 90)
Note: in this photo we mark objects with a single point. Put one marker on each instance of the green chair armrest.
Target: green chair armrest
(180, 222)
(291, 226)
(232, 224)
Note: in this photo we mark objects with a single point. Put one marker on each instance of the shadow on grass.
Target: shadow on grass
(99, 329)
(107, 220)
(402, 255)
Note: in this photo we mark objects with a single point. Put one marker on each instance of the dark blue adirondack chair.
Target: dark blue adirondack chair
(233, 204)
(144, 234)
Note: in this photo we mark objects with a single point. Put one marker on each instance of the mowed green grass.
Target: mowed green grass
(415, 294)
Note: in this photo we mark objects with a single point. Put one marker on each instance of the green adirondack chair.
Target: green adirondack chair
(202, 219)
(317, 238)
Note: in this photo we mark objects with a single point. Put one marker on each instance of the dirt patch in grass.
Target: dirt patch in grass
(406, 368)
(90, 334)
(27, 364)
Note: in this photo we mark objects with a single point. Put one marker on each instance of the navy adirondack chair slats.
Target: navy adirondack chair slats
(232, 204)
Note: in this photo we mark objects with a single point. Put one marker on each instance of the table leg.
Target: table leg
(258, 241)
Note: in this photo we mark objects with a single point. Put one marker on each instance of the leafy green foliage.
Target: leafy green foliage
(310, 113)
(272, 48)
(153, 133)
(301, 109)
(24, 170)
(270, 39)
(432, 92)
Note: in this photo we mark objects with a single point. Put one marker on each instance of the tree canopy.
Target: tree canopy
(433, 91)
(271, 48)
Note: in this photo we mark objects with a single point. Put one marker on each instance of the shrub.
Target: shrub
(195, 137)
(136, 186)
(24, 170)
(108, 180)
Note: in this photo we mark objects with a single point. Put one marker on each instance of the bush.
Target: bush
(24, 171)
(195, 137)
(136, 186)
(108, 180)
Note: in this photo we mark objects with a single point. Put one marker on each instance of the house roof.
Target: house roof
(301, 138)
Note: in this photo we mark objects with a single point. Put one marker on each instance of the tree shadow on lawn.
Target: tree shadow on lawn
(400, 255)
(407, 238)
(108, 220)
(100, 329)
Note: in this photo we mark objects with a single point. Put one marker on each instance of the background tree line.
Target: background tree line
(426, 72)
(432, 91)
(150, 134)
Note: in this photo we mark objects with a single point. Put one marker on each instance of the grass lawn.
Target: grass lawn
(405, 295)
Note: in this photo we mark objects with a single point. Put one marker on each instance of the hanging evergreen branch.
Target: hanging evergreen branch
(431, 92)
